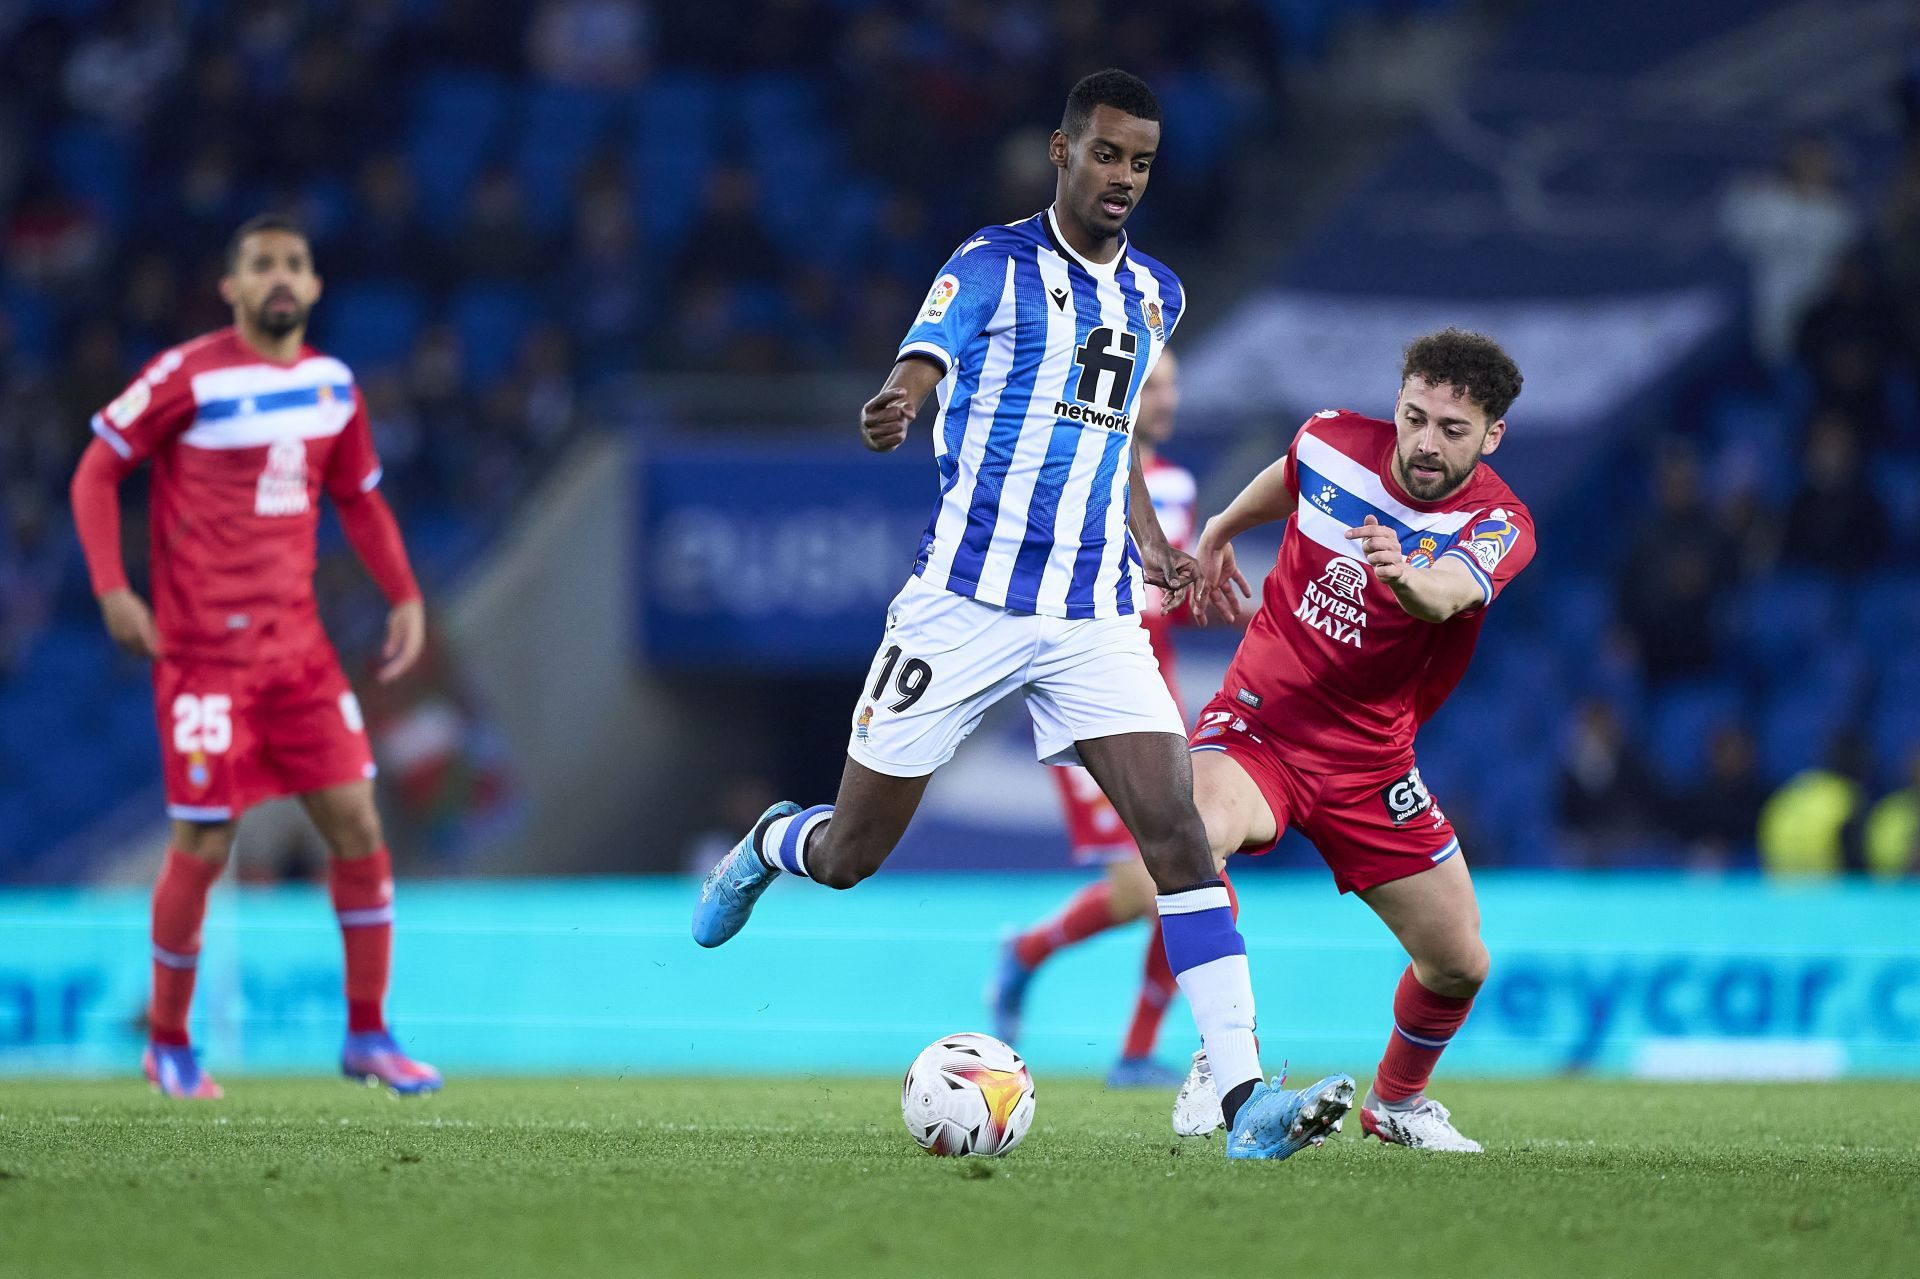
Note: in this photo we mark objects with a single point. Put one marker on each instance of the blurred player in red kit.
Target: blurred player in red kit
(1397, 540)
(246, 428)
(1095, 834)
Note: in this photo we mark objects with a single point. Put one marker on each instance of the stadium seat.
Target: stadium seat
(491, 320)
(1887, 611)
(1788, 619)
(371, 324)
(676, 130)
(1896, 478)
(1797, 731)
(559, 130)
(1683, 720)
(94, 166)
(457, 120)
(1895, 726)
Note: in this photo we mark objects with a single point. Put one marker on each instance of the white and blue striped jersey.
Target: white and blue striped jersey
(1045, 353)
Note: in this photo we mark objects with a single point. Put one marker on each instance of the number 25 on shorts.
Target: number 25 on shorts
(202, 723)
(915, 676)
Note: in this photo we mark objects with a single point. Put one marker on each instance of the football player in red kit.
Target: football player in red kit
(1397, 540)
(246, 428)
(1095, 834)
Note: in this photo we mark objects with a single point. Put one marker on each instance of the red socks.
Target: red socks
(1088, 911)
(1423, 1024)
(179, 908)
(1157, 987)
(363, 900)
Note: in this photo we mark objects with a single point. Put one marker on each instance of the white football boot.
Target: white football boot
(1196, 1111)
(1426, 1126)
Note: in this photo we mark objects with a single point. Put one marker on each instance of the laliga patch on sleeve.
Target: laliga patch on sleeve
(940, 297)
(1490, 540)
(131, 404)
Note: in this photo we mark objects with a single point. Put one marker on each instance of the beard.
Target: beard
(1430, 490)
(279, 322)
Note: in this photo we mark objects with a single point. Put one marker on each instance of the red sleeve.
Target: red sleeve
(95, 493)
(155, 407)
(373, 533)
(1495, 549)
(353, 468)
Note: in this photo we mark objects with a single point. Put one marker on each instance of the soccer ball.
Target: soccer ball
(967, 1094)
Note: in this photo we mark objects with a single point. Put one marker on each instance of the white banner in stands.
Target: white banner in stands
(1583, 359)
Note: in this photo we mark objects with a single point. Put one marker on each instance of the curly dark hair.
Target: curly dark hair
(1109, 88)
(1473, 362)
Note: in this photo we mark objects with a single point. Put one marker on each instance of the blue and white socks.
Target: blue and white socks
(783, 845)
(1209, 960)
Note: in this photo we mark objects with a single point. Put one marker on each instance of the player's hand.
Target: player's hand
(885, 418)
(1217, 578)
(1381, 546)
(406, 637)
(1172, 570)
(130, 622)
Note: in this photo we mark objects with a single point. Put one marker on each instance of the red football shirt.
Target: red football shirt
(242, 448)
(1331, 665)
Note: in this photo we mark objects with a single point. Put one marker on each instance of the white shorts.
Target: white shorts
(946, 658)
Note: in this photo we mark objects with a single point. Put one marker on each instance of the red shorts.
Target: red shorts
(233, 736)
(1371, 828)
(1095, 834)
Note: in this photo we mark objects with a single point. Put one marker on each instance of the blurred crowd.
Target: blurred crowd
(1767, 596)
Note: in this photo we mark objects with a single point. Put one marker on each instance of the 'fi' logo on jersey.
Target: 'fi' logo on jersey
(283, 484)
(1153, 322)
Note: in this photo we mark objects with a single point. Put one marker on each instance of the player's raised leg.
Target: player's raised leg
(943, 660)
(1436, 918)
(360, 876)
(197, 854)
(1150, 780)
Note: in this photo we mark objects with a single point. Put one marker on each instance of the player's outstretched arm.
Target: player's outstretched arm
(1433, 594)
(95, 493)
(1267, 498)
(885, 418)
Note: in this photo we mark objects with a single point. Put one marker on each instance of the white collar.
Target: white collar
(1105, 270)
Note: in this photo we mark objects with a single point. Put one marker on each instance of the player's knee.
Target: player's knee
(1462, 972)
(356, 833)
(207, 842)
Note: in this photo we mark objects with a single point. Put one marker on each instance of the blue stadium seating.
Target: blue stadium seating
(560, 130)
(491, 320)
(455, 131)
(1683, 720)
(94, 165)
(372, 324)
(675, 126)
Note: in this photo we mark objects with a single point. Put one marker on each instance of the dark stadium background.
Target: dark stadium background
(616, 276)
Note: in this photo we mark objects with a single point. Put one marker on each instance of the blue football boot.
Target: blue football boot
(376, 1059)
(1275, 1123)
(735, 883)
(1142, 1072)
(174, 1071)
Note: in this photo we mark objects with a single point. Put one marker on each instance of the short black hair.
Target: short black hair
(1473, 363)
(1110, 88)
(256, 224)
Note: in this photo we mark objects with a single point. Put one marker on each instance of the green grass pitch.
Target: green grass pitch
(816, 1176)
